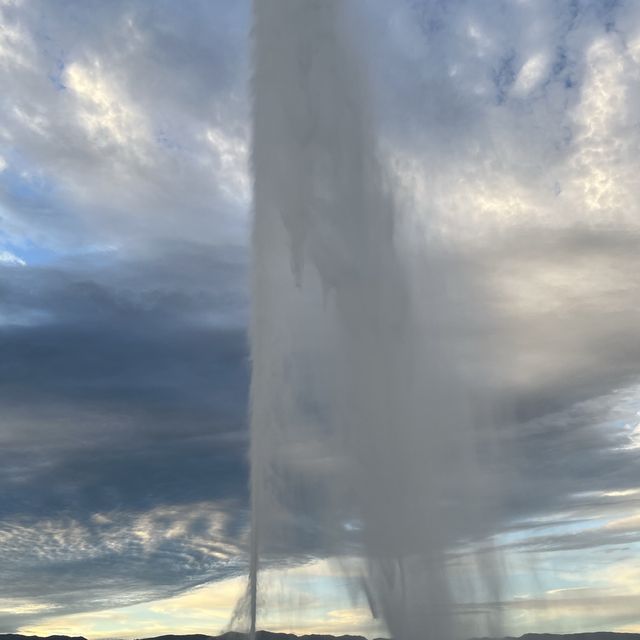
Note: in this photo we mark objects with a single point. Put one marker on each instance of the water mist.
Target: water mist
(366, 435)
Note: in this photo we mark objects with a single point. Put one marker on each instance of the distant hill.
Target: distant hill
(599, 635)
(17, 636)
(261, 635)
(269, 635)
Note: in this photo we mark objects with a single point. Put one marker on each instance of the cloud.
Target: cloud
(7, 257)
(86, 566)
(124, 384)
(135, 117)
(481, 154)
(510, 131)
(208, 606)
(124, 378)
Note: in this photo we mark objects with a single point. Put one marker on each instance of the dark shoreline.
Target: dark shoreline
(270, 635)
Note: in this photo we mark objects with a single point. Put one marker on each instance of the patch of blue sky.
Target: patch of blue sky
(55, 76)
(504, 75)
(558, 527)
(625, 418)
(168, 141)
(54, 55)
(36, 214)
(19, 243)
(24, 189)
(327, 584)
(539, 577)
(35, 254)
(539, 574)
(23, 182)
(28, 251)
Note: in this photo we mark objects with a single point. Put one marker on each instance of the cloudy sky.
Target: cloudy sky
(512, 127)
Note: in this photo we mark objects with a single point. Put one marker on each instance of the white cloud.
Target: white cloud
(233, 163)
(103, 110)
(15, 44)
(138, 135)
(6, 257)
(17, 606)
(531, 74)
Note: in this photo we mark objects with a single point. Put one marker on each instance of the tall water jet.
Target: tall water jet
(366, 435)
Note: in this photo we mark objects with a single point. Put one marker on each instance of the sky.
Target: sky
(510, 129)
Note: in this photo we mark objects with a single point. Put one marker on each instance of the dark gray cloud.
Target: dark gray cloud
(124, 385)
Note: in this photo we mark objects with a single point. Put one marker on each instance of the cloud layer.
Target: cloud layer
(511, 132)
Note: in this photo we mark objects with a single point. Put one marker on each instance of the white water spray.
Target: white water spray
(365, 434)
